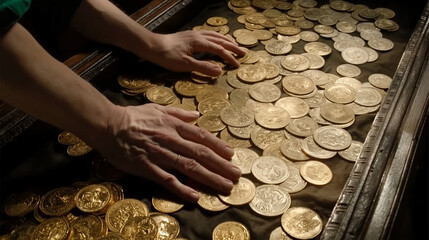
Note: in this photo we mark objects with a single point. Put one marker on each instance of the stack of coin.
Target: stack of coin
(75, 145)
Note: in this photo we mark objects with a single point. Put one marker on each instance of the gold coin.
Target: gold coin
(292, 149)
(279, 234)
(58, 201)
(270, 170)
(21, 232)
(234, 142)
(20, 204)
(122, 210)
(213, 92)
(212, 105)
(116, 190)
(262, 34)
(87, 227)
(352, 82)
(247, 40)
(112, 236)
(311, 148)
(243, 158)
(251, 73)
(380, 80)
(161, 95)
(188, 88)
(78, 149)
(270, 200)
(352, 152)
(295, 62)
(337, 113)
(272, 70)
(168, 226)
(134, 83)
(340, 93)
(296, 107)
(316, 172)
(68, 138)
(278, 47)
(239, 96)
(272, 117)
(302, 127)
(165, 202)
(302, 222)
(241, 132)
(57, 228)
(217, 21)
(230, 228)
(288, 30)
(210, 201)
(265, 92)
(368, 97)
(94, 198)
(298, 84)
(242, 193)
(318, 48)
(262, 138)
(140, 227)
(240, 3)
(237, 116)
(211, 123)
(332, 138)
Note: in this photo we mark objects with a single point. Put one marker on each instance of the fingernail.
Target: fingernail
(195, 113)
(229, 151)
(236, 170)
(228, 185)
(195, 196)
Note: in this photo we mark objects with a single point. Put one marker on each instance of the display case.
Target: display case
(379, 196)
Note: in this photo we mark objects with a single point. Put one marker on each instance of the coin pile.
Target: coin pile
(92, 211)
(282, 134)
(280, 111)
(75, 145)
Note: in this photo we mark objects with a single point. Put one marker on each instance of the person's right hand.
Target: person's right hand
(150, 140)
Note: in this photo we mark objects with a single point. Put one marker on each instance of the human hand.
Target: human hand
(175, 51)
(149, 140)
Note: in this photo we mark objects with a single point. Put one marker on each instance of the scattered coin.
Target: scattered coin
(302, 222)
(332, 138)
(270, 200)
(316, 172)
(270, 170)
(230, 228)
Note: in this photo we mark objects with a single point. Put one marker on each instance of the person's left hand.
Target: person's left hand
(175, 51)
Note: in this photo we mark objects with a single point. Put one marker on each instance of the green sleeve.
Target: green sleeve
(11, 11)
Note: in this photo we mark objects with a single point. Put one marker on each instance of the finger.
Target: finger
(204, 137)
(186, 116)
(172, 184)
(196, 171)
(204, 67)
(214, 46)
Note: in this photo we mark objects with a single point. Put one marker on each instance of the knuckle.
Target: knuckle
(202, 152)
(168, 180)
(191, 166)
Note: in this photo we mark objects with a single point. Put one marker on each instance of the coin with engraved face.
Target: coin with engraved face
(242, 193)
(270, 200)
(230, 230)
(301, 222)
(270, 170)
(121, 211)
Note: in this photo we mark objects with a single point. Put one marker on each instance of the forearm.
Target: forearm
(35, 82)
(103, 22)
